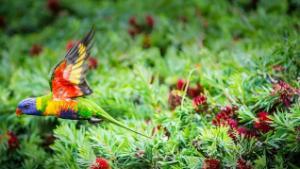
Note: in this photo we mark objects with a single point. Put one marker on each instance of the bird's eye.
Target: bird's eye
(26, 106)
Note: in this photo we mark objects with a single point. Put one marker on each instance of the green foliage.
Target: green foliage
(236, 50)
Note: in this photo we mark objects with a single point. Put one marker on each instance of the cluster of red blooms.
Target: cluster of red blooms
(286, 92)
(195, 93)
(13, 141)
(92, 61)
(174, 99)
(192, 92)
(211, 163)
(100, 163)
(53, 6)
(263, 122)
(137, 28)
(226, 118)
(35, 50)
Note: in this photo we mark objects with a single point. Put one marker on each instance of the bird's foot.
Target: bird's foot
(95, 120)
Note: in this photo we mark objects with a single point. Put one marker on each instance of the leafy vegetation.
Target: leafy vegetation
(215, 83)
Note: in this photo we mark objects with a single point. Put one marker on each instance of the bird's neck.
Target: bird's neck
(41, 102)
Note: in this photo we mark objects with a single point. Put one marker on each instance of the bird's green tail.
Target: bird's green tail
(108, 117)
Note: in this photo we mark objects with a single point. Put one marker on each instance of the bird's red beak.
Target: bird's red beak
(18, 112)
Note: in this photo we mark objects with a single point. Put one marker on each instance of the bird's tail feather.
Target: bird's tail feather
(108, 117)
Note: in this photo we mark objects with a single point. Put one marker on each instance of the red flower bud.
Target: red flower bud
(149, 21)
(285, 91)
(199, 100)
(181, 84)
(35, 50)
(211, 163)
(194, 91)
(132, 21)
(242, 164)
(53, 6)
(2, 22)
(232, 123)
(245, 132)
(92, 63)
(100, 163)
(70, 44)
(13, 141)
(174, 99)
(263, 122)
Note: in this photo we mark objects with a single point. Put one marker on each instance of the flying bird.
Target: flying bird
(68, 87)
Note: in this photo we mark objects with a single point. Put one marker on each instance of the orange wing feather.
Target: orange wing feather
(68, 77)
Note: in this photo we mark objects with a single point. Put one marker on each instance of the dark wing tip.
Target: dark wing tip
(88, 37)
(84, 87)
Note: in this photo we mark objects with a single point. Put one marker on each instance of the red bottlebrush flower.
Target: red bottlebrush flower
(181, 84)
(149, 21)
(2, 22)
(211, 163)
(100, 163)
(92, 63)
(285, 91)
(232, 123)
(194, 91)
(262, 126)
(174, 99)
(199, 100)
(53, 6)
(13, 141)
(70, 44)
(263, 122)
(224, 117)
(242, 131)
(242, 164)
(35, 50)
(200, 103)
(132, 21)
(263, 116)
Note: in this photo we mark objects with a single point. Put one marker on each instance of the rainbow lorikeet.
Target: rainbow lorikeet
(68, 85)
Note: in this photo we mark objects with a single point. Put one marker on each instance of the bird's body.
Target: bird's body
(68, 86)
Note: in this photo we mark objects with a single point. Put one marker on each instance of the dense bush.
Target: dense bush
(215, 83)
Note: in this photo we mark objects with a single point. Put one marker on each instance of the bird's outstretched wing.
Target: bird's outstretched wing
(68, 77)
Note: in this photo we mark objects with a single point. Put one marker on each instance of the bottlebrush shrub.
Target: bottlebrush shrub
(133, 85)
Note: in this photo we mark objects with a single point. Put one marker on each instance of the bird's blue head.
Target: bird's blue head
(27, 106)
